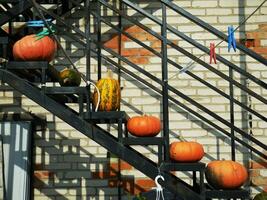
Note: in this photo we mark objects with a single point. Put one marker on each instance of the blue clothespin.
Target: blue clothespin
(37, 23)
(231, 38)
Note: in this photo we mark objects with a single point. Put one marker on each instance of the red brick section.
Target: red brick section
(254, 39)
(44, 174)
(137, 55)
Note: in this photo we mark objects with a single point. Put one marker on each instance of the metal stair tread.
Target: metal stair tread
(64, 90)
(237, 193)
(106, 116)
(143, 140)
(27, 65)
(183, 166)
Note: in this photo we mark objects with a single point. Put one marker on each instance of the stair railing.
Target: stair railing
(171, 89)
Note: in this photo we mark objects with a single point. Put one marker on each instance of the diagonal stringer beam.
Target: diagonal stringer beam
(99, 135)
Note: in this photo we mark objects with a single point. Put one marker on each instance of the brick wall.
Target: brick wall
(70, 166)
(256, 40)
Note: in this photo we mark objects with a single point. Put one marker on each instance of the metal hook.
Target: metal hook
(156, 180)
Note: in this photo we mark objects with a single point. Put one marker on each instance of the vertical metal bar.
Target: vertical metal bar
(119, 41)
(88, 52)
(119, 160)
(201, 184)
(232, 119)
(165, 83)
(80, 99)
(160, 153)
(31, 161)
(119, 79)
(99, 38)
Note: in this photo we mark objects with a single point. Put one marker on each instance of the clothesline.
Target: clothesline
(190, 65)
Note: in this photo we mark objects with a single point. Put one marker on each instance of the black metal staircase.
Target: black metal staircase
(85, 120)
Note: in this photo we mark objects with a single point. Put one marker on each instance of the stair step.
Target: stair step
(65, 90)
(227, 194)
(143, 141)
(27, 65)
(175, 166)
(106, 117)
(152, 195)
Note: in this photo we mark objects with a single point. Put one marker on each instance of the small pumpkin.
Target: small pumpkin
(261, 196)
(110, 93)
(144, 126)
(29, 48)
(186, 151)
(69, 77)
(226, 174)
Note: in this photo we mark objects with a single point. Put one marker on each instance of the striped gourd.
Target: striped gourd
(69, 77)
(110, 94)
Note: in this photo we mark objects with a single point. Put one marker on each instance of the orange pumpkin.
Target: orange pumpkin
(144, 126)
(186, 151)
(29, 48)
(226, 174)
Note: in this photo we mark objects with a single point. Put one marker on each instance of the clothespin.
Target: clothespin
(44, 33)
(38, 23)
(212, 53)
(231, 38)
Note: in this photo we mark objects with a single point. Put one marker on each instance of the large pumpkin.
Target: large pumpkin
(144, 126)
(261, 196)
(69, 77)
(226, 174)
(110, 94)
(186, 151)
(29, 48)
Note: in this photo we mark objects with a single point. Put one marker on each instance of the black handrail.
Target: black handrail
(185, 97)
(178, 103)
(206, 65)
(177, 92)
(180, 67)
(213, 30)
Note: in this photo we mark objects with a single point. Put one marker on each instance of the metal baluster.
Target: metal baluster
(165, 83)
(232, 119)
(88, 52)
(99, 38)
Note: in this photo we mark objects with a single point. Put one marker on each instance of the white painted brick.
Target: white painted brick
(218, 11)
(155, 60)
(6, 101)
(228, 3)
(196, 12)
(183, 3)
(206, 4)
(144, 101)
(209, 19)
(134, 44)
(254, 3)
(194, 133)
(180, 125)
(228, 19)
(264, 42)
(189, 28)
(198, 36)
